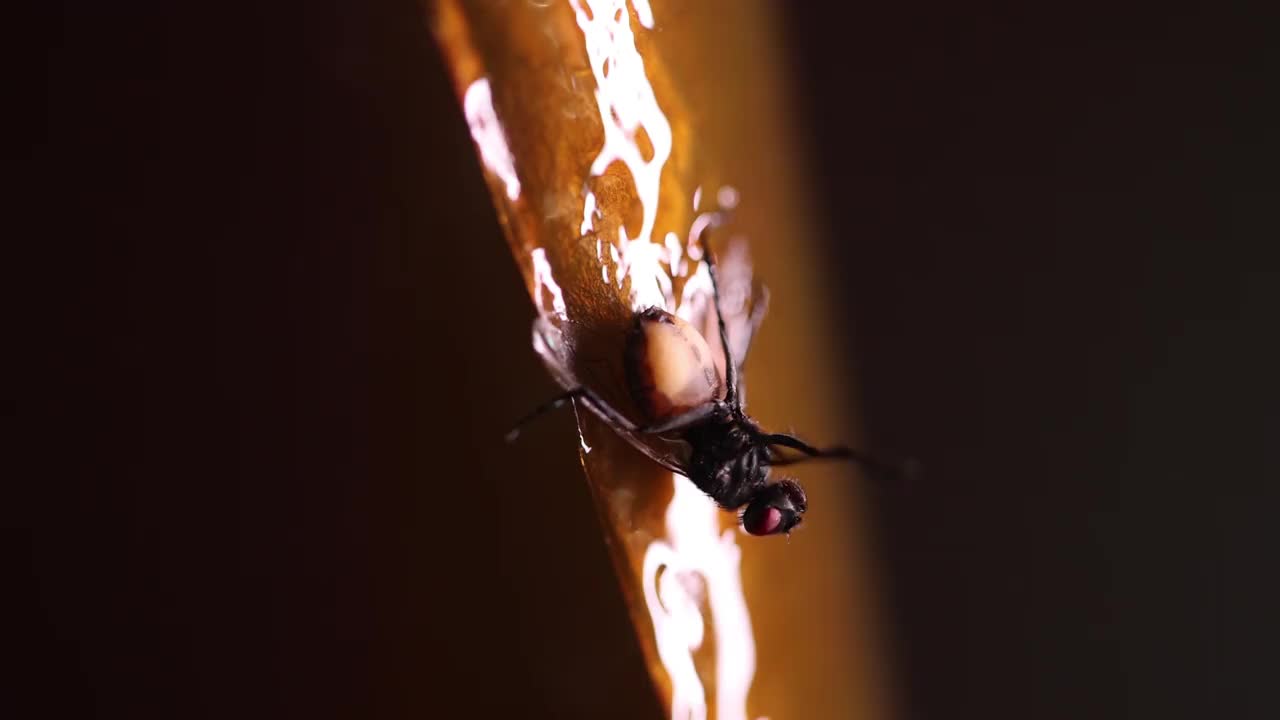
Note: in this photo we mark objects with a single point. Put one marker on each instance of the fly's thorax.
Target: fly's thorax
(727, 462)
(670, 367)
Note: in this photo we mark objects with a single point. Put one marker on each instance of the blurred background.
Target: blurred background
(1048, 235)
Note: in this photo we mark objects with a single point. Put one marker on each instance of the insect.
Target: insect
(695, 409)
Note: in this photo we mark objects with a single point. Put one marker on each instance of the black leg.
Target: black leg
(840, 452)
(795, 443)
(584, 394)
(730, 371)
(683, 420)
(624, 427)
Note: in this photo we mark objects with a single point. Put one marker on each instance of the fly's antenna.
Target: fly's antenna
(906, 470)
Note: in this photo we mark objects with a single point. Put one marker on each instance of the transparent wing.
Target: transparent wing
(548, 342)
(556, 353)
(744, 302)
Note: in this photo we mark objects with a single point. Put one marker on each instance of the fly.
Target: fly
(674, 381)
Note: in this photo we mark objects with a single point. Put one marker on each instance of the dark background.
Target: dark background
(260, 472)
(1054, 230)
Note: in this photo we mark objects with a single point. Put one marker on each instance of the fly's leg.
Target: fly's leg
(872, 465)
(588, 397)
(683, 420)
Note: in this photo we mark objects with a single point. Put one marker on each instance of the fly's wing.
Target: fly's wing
(743, 301)
(549, 342)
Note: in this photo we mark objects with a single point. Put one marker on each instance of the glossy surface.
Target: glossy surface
(610, 135)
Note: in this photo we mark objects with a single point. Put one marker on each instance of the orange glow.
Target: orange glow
(618, 134)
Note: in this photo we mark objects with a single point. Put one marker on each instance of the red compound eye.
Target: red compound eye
(765, 522)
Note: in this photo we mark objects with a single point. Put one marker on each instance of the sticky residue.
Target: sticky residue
(627, 106)
(486, 131)
(544, 284)
(696, 565)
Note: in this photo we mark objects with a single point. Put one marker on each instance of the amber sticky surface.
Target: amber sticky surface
(595, 171)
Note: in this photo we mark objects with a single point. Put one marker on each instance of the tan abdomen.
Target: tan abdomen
(669, 366)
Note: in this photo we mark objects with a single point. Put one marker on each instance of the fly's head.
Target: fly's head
(731, 463)
(775, 508)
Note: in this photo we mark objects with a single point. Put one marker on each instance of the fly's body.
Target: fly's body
(687, 395)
